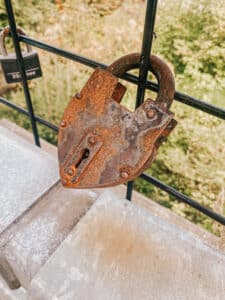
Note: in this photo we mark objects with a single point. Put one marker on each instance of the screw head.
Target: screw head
(78, 95)
(151, 113)
(161, 140)
(70, 172)
(124, 174)
(91, 140)
(63, 123)
(64, 181)
(170, 126)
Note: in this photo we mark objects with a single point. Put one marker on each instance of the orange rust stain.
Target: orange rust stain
(119, 243)
(100, 87)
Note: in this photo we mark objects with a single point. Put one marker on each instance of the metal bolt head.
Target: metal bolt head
(64, 181)
(63, 123)
(170, 126)
(161, 140)
(91, 140)
(151, 113)
(70, 172)
(78, 95)
(124, 174)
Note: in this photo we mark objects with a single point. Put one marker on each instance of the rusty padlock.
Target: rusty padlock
(101, 143)
(9, 62)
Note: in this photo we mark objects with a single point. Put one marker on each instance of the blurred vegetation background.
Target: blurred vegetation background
(190, 37)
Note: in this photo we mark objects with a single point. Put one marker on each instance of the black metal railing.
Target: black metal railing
(140, 81)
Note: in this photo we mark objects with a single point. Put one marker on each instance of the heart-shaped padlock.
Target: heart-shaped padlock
(101, 143)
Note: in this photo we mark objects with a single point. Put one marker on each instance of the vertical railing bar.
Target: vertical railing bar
(144, 63)
(146, 50)
(16, 44)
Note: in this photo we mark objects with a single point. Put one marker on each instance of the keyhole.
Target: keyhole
(84, 154)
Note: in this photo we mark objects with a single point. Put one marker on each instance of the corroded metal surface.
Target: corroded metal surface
(101, 143)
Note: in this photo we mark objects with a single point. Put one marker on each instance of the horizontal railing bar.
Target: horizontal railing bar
(172, 191)
(64, 53)
(25, 112)
(181, 97)
(193, 102)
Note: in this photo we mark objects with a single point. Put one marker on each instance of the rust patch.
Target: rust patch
(118, 242)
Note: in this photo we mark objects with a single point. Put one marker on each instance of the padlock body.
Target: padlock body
(101, 143)
(11, 69)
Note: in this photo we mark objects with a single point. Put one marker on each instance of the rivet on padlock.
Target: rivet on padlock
(9, 61)
(105, 144)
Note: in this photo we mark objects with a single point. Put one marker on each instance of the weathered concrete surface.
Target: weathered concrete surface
(7, 294)
(26, 172)
(28, 136)
(139, 199)
(169, 216)
(28, 244)
(120, 251)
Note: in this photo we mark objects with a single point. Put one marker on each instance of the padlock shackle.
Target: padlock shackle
(158, 67)
(3, 35)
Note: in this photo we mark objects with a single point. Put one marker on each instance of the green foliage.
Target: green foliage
(194, 43)
(31, 14)
(191, 38)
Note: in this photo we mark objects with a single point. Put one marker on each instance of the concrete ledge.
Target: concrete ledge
(139, 199)
(26, 173)
(37, 213)
(27, 135)
(27, 244)
(167, 215)
(119, 251)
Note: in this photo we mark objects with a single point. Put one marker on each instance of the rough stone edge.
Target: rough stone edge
(7, 273)
(12, 227)
(8, 294)
(5, 268)
(139, 199)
